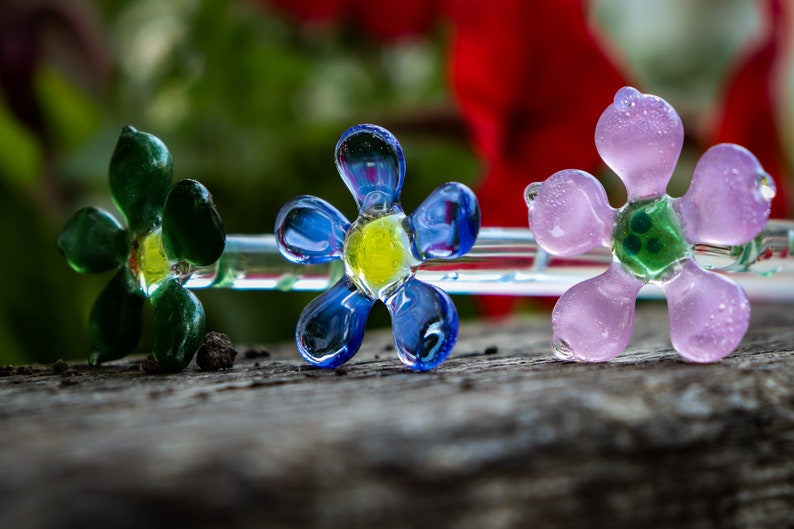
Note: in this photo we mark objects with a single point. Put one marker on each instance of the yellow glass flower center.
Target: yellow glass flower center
(377, 254)
(149, 262)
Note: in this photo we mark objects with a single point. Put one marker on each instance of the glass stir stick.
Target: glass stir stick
(504, 261)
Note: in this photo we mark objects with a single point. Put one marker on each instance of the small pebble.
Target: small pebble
(150, 365)
(59, 366)
(217, 352)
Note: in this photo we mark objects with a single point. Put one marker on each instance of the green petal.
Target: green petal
(192, 228)
(93, 241)
(140, 175)
(178, 325)
(115, 319)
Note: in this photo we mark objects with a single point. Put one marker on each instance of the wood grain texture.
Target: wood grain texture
(501, 436)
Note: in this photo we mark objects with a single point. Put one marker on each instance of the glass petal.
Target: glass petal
(178, 327)
(593, 320)
(115, 320)
(709, 313)
(569, 213)
(140, 175)
(729, 199)
(446, 224)
(192, 228)
(331, 327)
(309, 230)
(640, 137)
(370, 160)
(424, 324)
(93, 241)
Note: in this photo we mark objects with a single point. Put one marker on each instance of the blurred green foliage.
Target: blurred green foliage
(247, 103)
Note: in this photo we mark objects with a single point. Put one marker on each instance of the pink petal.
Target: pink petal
(709, 313)
(593, 320)
(729, 199)
(640, 137)
(569, 213)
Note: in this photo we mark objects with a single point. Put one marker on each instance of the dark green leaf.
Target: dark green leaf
(178, 325)
(93, 241)
(115, 319)
(140, 175)
(192, 228)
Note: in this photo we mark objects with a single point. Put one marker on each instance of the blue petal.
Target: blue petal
(331, 327)
(309, 230)
(424, 323)
(370, 161)
(446, 223)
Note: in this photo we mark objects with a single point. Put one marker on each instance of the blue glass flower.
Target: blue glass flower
(381, 251)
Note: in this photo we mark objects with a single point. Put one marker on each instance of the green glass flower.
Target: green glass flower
(169, 228)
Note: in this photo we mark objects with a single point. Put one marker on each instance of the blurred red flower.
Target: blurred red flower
(750, 117)
(382, 21)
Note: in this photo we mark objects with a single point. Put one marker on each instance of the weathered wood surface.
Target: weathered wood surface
(499, 439)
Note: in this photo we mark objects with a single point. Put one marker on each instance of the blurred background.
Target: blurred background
(251, 97)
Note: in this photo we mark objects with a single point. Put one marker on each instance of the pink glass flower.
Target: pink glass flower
(652, 237)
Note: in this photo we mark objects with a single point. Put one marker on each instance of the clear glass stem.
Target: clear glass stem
(506, 261)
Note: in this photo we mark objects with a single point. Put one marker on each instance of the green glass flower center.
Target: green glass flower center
(648, 239)
(377, 254)
(149, 262)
